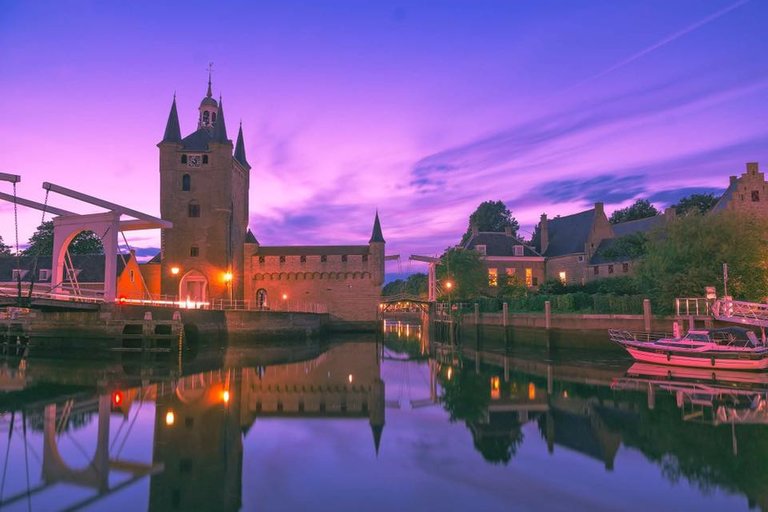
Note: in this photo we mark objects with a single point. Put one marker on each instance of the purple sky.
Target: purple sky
(420, 109)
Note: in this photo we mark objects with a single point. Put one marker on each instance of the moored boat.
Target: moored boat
(730, 348)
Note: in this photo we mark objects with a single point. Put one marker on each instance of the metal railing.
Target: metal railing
(227, 304)
(736, 311)
(693, 306)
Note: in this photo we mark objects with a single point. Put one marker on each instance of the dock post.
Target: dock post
(547, 314)
(477, 313)
(647, 314)
(504, 314)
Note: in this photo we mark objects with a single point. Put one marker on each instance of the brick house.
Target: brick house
(506, 257)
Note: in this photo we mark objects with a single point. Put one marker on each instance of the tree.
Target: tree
(695, 203)
(641, 209)
(41, 242)
(491, 216)
(689, 256)
(415, 284)
(5, 250)
(464, 270)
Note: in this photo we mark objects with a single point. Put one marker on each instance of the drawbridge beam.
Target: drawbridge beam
(431, 275)
(13, 178)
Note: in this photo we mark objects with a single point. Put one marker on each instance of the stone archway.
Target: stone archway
(193, 288)
(261, 298)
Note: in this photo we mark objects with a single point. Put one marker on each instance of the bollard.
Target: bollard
(647, 314)
(676, 332)
(477, 313)
(547, 314)
(504, 314)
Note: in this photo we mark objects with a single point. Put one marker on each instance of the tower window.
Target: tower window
(213, 118)
(282, 259)
(262, 259)
(186, 182)
(206, 118)
(205, 159)
(194, 209)
(183, 159)
(303, 259)
(194, 251)
(323, 258)
(344, 258)
(755, 195)
(365, 258)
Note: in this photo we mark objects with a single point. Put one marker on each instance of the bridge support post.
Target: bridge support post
(647, 314)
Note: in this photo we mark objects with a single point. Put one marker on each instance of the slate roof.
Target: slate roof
(172, 128)
(726, 198)
(567, 235)
(499, 244)
(638, 226)
(197, 141)
(220, 128)
(156, 258)
(376, 235)
(605, 245)
(250, 238)
(90, 265)
(240, 149)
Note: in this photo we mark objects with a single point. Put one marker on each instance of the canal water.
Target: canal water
(379, 422)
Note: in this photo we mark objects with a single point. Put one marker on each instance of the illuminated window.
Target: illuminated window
(519, 250)
(493, 277)
(481, 249)
(495, 388)
(563, 277)
(529, 277)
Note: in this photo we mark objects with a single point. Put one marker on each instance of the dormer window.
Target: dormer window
(519, 250)
(481, 249)
(45, 274)
(17, 274)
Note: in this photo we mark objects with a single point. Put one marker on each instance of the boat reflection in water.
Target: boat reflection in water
(300, 425)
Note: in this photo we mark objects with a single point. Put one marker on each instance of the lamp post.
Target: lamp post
(228, 280)
(449, 287)
(175, 273)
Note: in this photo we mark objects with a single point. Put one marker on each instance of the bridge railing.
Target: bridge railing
(227, 304)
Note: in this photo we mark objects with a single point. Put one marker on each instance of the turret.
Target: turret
(172, 127)
(376, 249)
(209, 109)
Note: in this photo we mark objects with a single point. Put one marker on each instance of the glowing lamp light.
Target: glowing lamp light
(117, 398)
(175, 270)
(495, 388)
(449, 285)
(449, 373)
(227, 276)
(285, 296)
(225, 396)
(170, 418)
(531, 391)
(350, 378)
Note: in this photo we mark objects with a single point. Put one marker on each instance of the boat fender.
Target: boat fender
(712, 360)
(669, 356)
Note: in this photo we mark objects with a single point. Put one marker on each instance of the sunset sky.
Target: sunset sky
(420, 109)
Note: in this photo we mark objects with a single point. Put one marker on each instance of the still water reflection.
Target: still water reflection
(380, 423)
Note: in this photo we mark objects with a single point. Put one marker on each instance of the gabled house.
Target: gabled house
(507, 258)
(568, 243)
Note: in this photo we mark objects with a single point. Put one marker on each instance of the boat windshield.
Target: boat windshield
(696, 336)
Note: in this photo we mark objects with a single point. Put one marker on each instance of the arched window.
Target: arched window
(213, 118)
(206, 117)
(194, 251)
(186, 183)
(183, 159)
(205, 159)
(194, 209)
(261, 298)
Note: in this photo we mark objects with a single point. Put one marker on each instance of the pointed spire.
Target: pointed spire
(172, 128)
(220, 130)
(240, 148)
(376, 235)
(210, 93)
(377, 430)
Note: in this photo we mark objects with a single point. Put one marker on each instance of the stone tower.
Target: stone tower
(204, 192)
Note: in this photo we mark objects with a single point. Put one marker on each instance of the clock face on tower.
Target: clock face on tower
(194, 160)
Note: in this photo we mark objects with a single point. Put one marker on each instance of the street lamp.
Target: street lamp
(228, 281)
(175, 273)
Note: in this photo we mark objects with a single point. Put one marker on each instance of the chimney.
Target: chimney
(543, 233)
(599, 209)
(733, 179)
(752, 168)
(474, 229)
